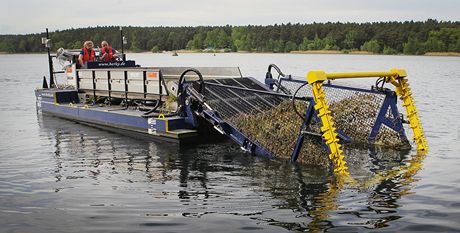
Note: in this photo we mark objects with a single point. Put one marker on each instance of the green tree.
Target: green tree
(350, 39)
(290, 46)
(217, 38)
(371, 46)
(197, 42)
(304, 44)
(413, 46)
(278, 46)
(59, 44)
(455, 47)
(155, 49)
(75, 45)
(21, 48)
(388, 50)
(448, 36)
(135, 45)
(329, 43)
(240, 39)
(316, 44)
(434, 44)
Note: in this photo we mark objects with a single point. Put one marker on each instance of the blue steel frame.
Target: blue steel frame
(311, 113)
(298, 145)
(393, 122)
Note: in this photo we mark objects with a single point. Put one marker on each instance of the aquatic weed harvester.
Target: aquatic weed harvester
(306, 121)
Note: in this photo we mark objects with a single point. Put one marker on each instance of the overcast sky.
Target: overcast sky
(33, 16)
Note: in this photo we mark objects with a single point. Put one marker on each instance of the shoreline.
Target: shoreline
(321, 52)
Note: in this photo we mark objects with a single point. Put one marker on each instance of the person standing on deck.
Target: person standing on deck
(86, 54)
(107, 52)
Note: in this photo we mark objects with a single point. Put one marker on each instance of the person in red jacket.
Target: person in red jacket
(107, 52)
(86, 53)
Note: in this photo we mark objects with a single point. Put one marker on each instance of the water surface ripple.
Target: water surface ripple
(60, 176)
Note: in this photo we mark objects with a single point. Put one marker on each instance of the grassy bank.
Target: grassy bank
(454, 54)
(355, 52)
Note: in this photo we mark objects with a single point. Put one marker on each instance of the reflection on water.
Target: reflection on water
(207, 179)
(60, 176)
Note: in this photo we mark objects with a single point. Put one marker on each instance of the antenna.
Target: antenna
(123, 42)
(47, 42)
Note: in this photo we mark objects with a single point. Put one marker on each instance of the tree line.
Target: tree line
(379, 37)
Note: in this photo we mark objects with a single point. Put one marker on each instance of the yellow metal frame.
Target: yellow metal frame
(397, 77)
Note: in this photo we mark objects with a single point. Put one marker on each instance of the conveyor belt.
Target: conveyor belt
(231, 97)
(260, 120)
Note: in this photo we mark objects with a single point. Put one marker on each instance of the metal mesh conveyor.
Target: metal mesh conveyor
(265, 117)
(235, 97)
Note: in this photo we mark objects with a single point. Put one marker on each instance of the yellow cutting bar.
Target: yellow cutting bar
(316, 79)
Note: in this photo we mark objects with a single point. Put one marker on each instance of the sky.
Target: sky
(33, 16)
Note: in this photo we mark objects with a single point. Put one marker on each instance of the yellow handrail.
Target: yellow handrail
(319, 75)
(340, 75)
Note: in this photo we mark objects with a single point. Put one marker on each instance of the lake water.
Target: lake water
(59, 176)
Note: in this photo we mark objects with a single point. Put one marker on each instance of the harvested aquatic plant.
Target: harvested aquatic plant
(277, 130)
(389, 138)
(356, 115)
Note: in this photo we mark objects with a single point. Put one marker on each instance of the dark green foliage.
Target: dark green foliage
(413, 46)
(394, 37)
(389, 51)
(290, 46)
(371, 46)
(155, 49)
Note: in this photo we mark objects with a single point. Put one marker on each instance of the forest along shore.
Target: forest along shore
(410, 38)
(312, 52)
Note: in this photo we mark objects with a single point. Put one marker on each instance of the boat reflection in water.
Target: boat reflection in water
(103, 174)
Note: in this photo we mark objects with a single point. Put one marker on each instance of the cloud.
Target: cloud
(63, 14)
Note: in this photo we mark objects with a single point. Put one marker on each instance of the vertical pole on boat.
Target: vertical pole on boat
(122, 39)
(50, 61)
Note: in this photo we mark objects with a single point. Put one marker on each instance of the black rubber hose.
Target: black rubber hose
(276, 68)
(182, 80)
(379, 81)
(293, 101)
(147, 114)
(181, 91)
